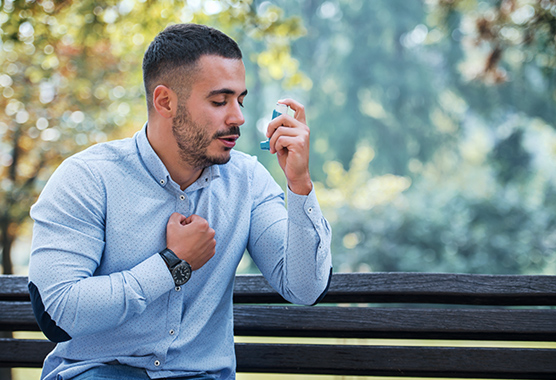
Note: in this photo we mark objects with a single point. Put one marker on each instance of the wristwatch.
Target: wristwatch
(180, 269)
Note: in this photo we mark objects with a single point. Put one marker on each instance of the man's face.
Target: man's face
(206, 125)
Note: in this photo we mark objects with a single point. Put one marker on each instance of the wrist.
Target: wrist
(169, 257)
(303, 187)
(179, 269)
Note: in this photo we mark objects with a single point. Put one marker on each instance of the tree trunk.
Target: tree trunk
(7, 241)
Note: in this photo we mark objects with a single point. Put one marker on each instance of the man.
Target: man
(136, 242)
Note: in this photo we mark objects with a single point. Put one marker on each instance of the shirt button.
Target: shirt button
(157, 363)
(182, 197)
(172, 332)
(162, 182)
(178, 288)
(310, 210)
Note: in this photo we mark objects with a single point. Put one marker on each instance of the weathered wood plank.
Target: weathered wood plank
(365, 322)
(357, 322)
(396, 287)
(396, 323)
(398, 361)
(14, 288)
(17, 316)
(24, 352)
(393, 287)
(506, 363)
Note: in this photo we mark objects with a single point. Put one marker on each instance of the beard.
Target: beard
(193, 141)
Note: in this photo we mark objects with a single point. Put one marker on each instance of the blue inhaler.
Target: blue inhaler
(278, 110)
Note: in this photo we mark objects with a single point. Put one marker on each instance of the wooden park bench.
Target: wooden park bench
(405, 325)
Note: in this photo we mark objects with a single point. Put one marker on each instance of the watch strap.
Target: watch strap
(170, 258)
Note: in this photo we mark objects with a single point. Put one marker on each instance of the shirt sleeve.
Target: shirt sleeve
(290, 246)
(68, 243)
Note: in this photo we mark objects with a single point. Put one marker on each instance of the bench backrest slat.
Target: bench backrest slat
(506, 363)
(17, 316)
(24, 352)
(355, 322)
(385, 288)
(458, 362)
(14, 288)
(397, 287)
(496, 310)
(396, 323)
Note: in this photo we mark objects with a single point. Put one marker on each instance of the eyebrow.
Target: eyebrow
(225, 91)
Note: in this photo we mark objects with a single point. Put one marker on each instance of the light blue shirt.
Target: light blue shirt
(99, 285)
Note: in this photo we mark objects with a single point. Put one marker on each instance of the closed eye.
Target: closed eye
(220, 104)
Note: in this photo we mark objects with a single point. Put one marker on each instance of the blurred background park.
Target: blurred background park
(433, 122)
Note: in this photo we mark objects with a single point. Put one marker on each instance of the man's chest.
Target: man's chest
(136, 222)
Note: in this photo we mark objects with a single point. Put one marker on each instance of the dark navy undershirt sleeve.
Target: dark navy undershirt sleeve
(52, 331)
(325, 290)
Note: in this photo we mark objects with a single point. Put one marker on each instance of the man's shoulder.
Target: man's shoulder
(102, 158)
(111, 151)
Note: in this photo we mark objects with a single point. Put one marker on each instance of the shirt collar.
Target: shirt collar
(206, 178)
(150, 159)
(156, 167)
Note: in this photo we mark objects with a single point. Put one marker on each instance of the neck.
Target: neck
(166, 148)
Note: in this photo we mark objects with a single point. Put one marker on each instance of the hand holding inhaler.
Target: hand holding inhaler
(278, 110)
(289, 138)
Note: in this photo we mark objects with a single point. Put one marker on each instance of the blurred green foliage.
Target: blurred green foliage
(458, 101)
(433, 122)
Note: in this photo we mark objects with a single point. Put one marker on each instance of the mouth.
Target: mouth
(229, 141)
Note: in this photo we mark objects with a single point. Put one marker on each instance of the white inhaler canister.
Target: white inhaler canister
(278, 110)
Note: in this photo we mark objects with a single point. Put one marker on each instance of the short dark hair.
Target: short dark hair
(179, 47)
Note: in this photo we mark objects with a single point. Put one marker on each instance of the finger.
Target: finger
(202, 225)
(300, 135)
(176, 218)
(298, 108)
(197, 219)
(189, 219)
(293, 144)
(284, 121)
(194, 218)
(280, 121)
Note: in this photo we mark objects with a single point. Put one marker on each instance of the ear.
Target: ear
(165, 101)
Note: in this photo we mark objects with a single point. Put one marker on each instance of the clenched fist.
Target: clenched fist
(191, 239)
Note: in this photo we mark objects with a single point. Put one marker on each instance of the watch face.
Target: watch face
(181, 273)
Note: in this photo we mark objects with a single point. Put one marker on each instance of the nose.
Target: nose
(235, 116)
